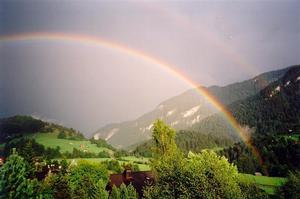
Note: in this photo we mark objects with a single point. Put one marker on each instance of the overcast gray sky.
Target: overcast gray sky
(87, 86)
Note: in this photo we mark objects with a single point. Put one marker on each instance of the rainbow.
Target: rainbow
(172, 69)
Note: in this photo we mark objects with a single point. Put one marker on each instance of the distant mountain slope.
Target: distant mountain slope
(275, 109)
(184, 111)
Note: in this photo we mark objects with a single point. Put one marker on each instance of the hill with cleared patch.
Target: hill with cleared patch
(66, 141)
(186, 110)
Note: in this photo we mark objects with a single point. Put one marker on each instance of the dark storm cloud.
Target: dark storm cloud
(87, 86)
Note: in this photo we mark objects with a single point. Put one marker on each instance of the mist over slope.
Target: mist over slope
(185, 111)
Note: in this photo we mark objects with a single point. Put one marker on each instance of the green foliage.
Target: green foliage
(123, 191)
(103, 154)
(219, 178)
(61, 187)
(13, 179)
(131, 166)
(121, 153)
(205, 175)
(280, 154)
(102, 144)
(66, 146)
(187, 141)
(114, 166)
(29, 149)
(61, 135)
(132, 194)
(242, 156)
(196, 142)
(100, 192)
(164, 139)
(252, 191)
(77, 153)
(115, 193)
(46, 188)
(292, 188)
(265, 183)
(84, 179)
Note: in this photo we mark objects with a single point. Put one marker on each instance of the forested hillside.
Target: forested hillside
(187, 141)
(274, 114)
(275, 109)
(187, 110)
(19, 125)
(33, 138)
(273, 119)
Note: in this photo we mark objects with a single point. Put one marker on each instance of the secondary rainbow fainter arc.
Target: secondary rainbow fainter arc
(172, 69)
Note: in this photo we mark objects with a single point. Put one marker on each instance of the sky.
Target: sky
(85, 86)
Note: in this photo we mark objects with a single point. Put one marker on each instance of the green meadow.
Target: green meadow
(66, 145)
(135, 160)
(268, 184)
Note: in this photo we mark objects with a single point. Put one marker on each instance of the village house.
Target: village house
(138, 179)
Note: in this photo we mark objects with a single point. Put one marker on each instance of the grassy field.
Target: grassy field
(294, 137)
(51, 140)
(135, 159)
(142, 167)
(268, 184)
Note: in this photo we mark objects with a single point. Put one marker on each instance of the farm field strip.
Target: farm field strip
(142, 167)
(50, 140)
(268, 184)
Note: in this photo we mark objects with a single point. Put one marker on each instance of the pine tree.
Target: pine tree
(62, 135)
(164, 139)
(13, 179)
(115, 193)
(132, 194)
(123, 191)
(100, 190)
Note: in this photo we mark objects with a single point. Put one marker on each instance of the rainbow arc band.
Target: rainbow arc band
(172, 69)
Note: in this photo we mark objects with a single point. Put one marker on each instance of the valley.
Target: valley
(270, 112)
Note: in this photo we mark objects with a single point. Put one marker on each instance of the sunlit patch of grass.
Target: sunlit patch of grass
(268, 184)
(50, 140)
(142, 167)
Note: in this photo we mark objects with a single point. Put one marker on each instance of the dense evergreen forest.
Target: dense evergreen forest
(274, 114)
(275, 110)
(17, 126)
(188, 141)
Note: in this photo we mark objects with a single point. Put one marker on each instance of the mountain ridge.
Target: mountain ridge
(253, 112)
(184, 110)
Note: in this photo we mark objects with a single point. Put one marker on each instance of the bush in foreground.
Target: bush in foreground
(292, 187)
(204, 175)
